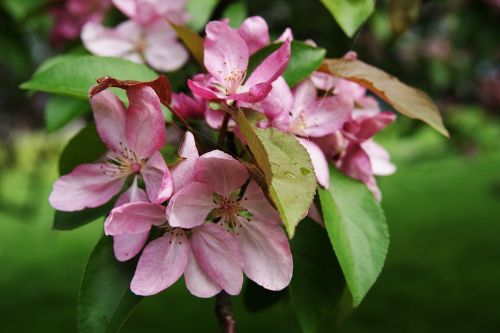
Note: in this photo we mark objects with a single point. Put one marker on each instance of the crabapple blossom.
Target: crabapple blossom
(226, 58)
(134, 136)
(146, 12)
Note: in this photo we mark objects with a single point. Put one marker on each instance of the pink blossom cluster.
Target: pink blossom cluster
(146, 37)
(215, 223)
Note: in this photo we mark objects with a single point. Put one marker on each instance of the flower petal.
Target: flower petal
(190, 206)
(87, 186)
(272, 67)
(197, 281)
(255, 32)
(183, 171)
(145, 126)
(304, 95)
(379, 158)
(159, 183)
(187, 106)
(134, 218)
(110, 118)
(319, 162)
(221, 172)
(161, 264)
(256, 93)
(201, 90)
(126, 246)
(218, 255)
(226, 53)
(133, 194)
(278, 104)
(369, 126)
(266, 254)
(356, 163)
(257, 204)
(164, 52)
(110, 42)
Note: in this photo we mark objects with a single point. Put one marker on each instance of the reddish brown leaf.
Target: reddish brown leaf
(411, 102)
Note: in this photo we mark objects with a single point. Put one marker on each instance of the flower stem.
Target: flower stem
(224, 313)
(223, 130)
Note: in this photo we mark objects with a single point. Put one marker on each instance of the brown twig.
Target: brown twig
(223, 130)
(224, 313)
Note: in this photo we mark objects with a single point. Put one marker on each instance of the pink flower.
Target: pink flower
(189, 107)
(146, 12)
(226, 59)
(303, 114)
(212, 257)
(134, 137)
(255, 32)
(72, 15)
(155, 44)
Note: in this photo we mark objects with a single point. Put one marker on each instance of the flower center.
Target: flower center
(122, 163)
(228, 211)
(233, 81)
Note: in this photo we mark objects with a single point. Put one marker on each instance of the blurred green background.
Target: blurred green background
(443, 205)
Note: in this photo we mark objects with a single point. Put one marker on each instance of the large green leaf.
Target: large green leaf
(357, 229)
(74, 75)
(105, 299)
(60, 110)
(350, 14)
(200, 12)
(85, 147)
(318, 287)
(411, 102)
(305, 59)
(287, 169)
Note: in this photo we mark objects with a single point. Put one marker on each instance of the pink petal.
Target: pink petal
(356, 163)
(319, 162)
(255, 94)
(190, 206)
(218, 255)
(197, 281)
(161, 264)
(349, 88)
(304, 95)
(214, 118)
(266, 254)
(367, 127)
(163, 51)
(201, 90)
(134, 218)
(379, 158)
(323, 81)
(110, 118)
(226, 53)
(325, 116)
(278, 102)
(286, 35)
(257, 204)
(315, 215)
(87, 186)
(183, 171)
(187, 106)
(126, 246)
(221, 172)
(159, 183)
(255, 32)
(110, 42)
(272, 67)
(145, 127)
(133, 194)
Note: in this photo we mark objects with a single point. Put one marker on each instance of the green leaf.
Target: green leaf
(407, 100)
(350, 14)
(105, 299)
(85, 147)
(287, 168)
(305, 59)
(60, 110)
(236, 13)
(317, 288)
(357, 229)
(74, 220)
(200, 12)
(74, 75)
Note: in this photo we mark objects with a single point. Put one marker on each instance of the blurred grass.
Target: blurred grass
(441, 273)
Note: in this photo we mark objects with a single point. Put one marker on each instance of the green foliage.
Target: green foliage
(305, 59)
(257, 298)
(105, 299)
(236, 13)
(200, 12)
(350, 14)
(358, 231)
(287, 169)
(60, 110)
(317, 286)
(74, 75)
(85, 147)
